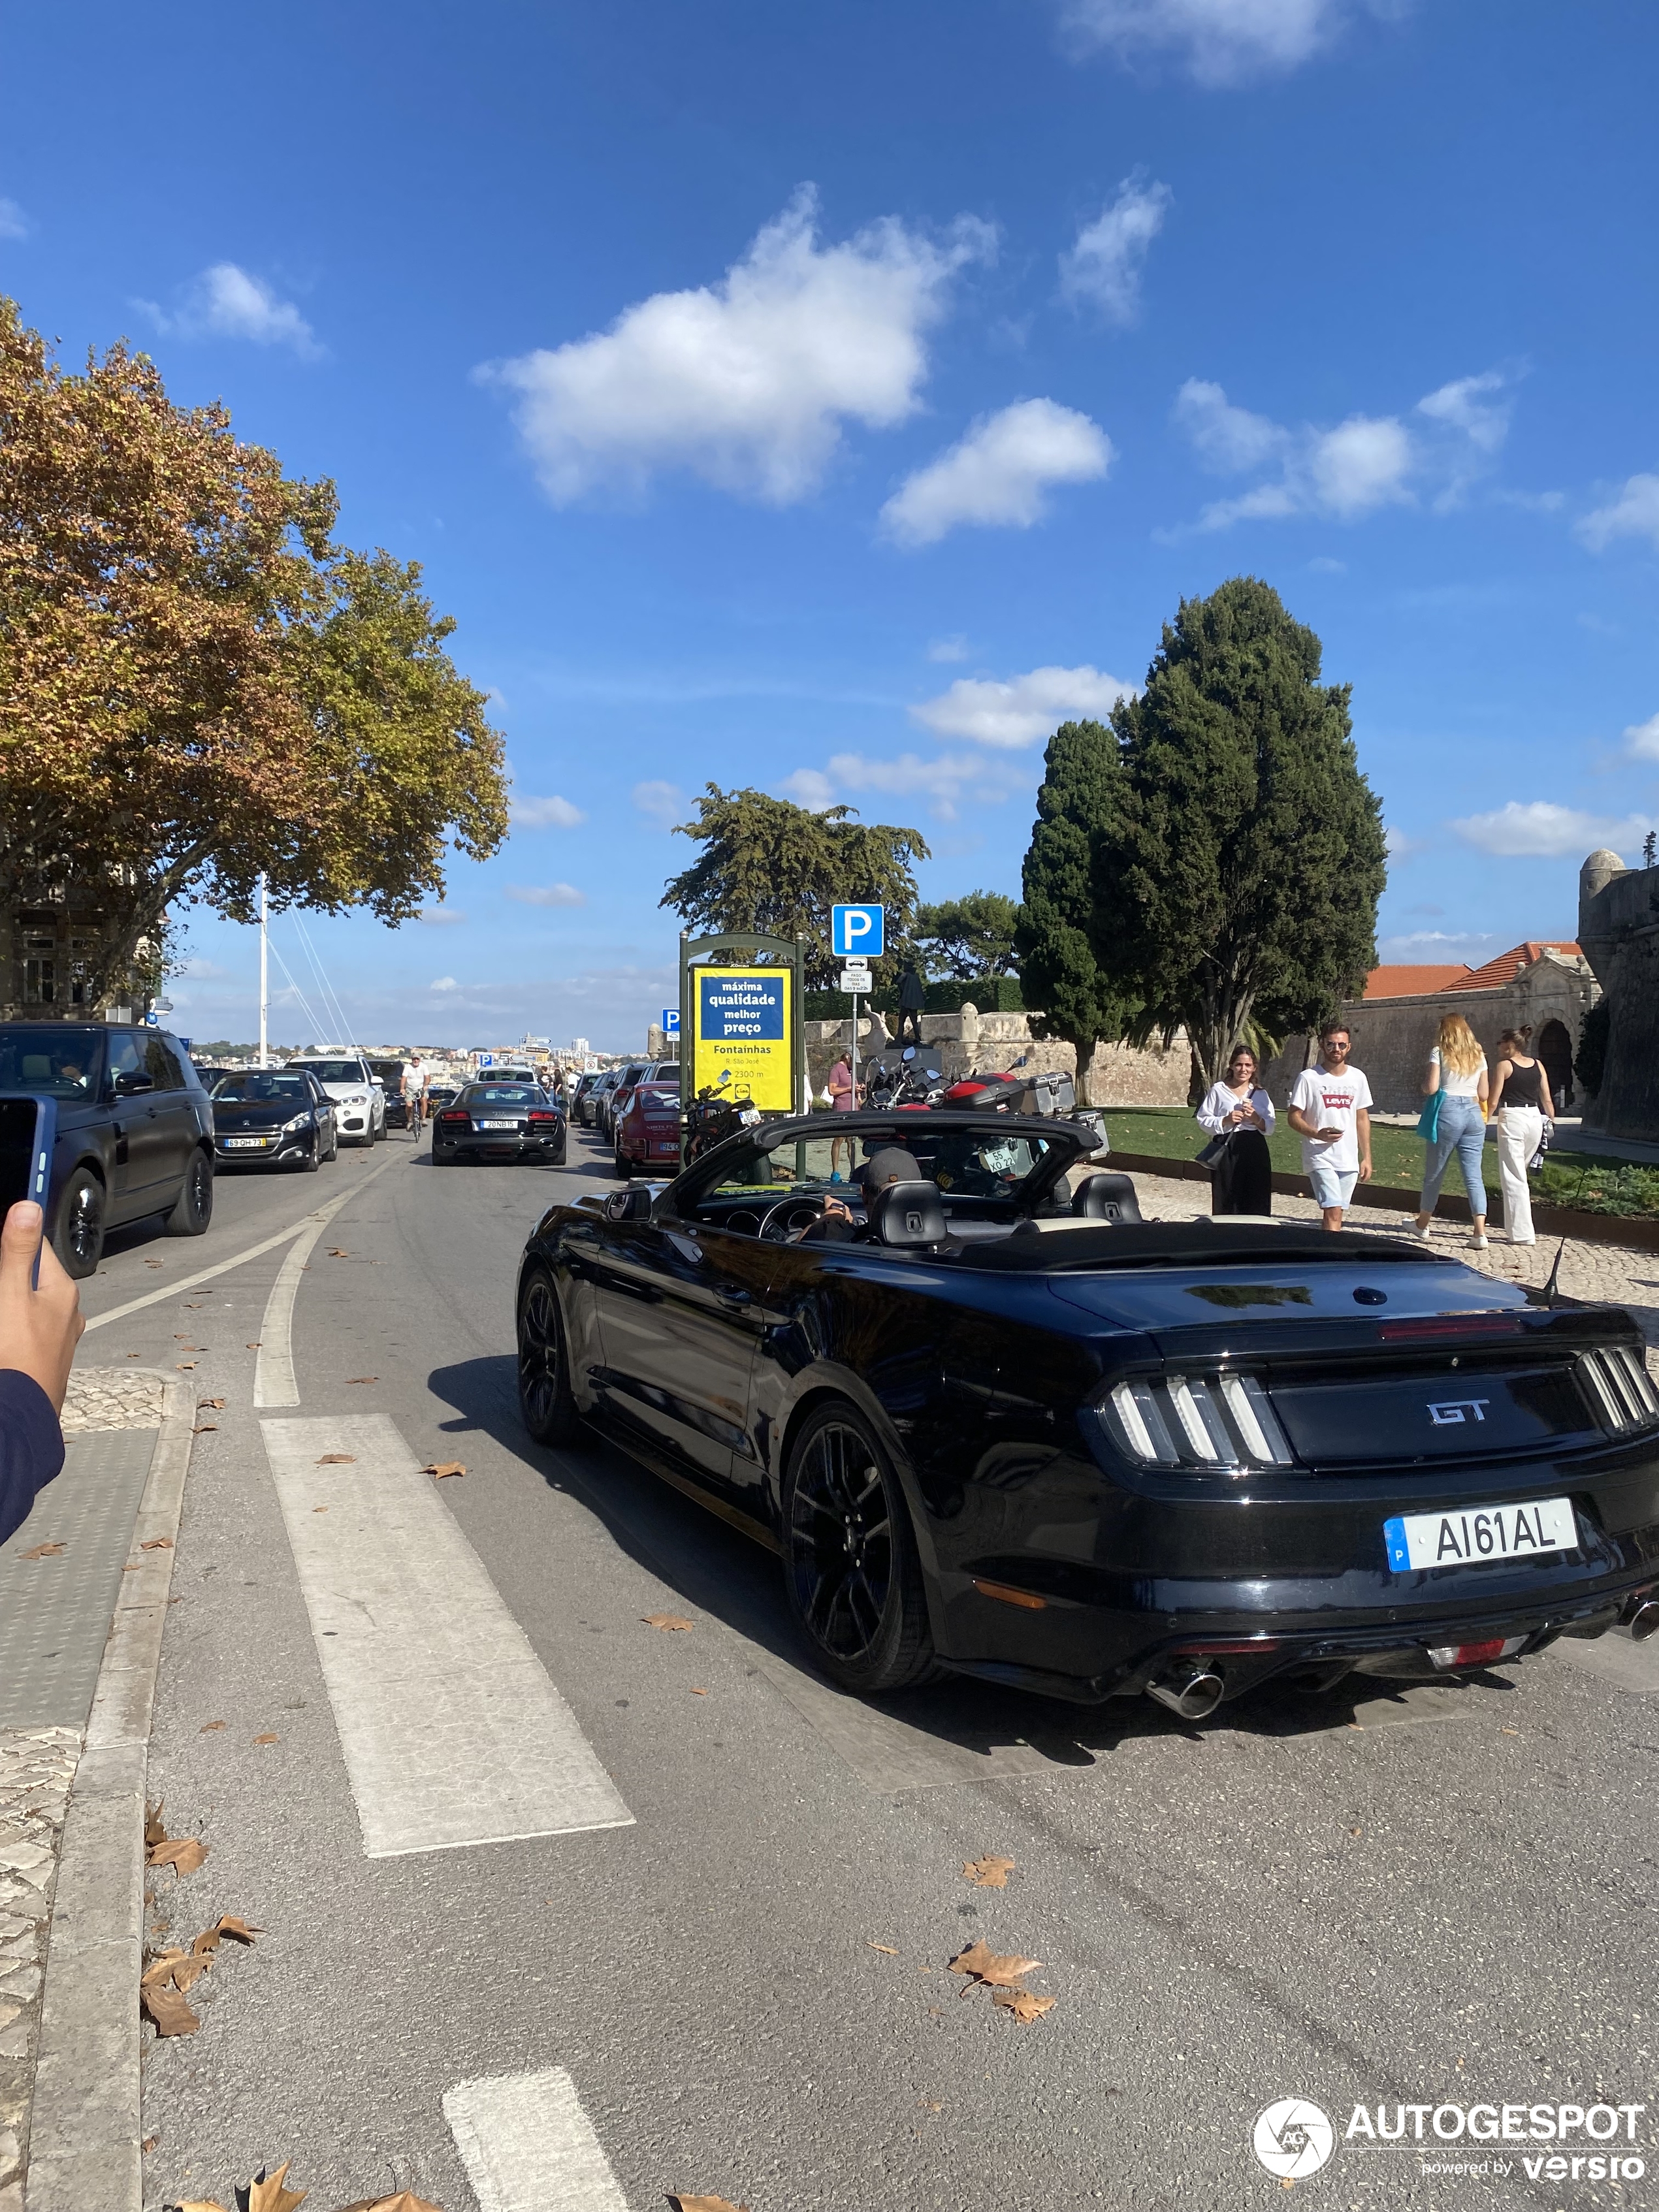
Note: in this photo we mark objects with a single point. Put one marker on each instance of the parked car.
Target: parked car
(648, 1130)
(274, 1117)
(390, 1074)
(998, 1426)
(134, 1130)
(580, 1100)
(627, 1078)
(599, 1097)
(351, 1083)
(662, 1071)
(499, 1121)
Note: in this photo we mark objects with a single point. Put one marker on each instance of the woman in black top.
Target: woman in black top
(1520, 1103)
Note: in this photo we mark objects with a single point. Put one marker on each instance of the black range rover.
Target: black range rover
(134, 1130)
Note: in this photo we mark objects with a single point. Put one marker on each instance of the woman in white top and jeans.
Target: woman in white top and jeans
(1240, 1111)
(1457, 1070)
(1521, 1104)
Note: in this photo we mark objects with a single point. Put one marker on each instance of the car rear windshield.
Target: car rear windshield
(64, 1065)
(337, 1070)
(504, 1094)
(661, 1095)
(260, 1084)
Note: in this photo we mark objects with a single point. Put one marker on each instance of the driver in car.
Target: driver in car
(835, 1225)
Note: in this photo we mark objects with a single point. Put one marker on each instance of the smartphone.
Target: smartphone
(28, 1131)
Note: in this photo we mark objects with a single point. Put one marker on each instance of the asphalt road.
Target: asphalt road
(742, 1989)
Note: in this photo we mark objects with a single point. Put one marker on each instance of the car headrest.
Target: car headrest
(1106, 1198)
(907, 1214)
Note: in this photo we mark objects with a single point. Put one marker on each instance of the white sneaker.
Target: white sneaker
(1479, 1243)
(1421, 1233)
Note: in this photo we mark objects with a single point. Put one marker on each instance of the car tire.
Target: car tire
(860, 1604)
(313, 1158)
(547, 1405)
(191, 1211)
(334, 1143)
(624, 1167)
(442, 1159)
(77, 1235)
(559, 1156)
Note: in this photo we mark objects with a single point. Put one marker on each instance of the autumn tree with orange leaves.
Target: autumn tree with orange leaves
(197, 686)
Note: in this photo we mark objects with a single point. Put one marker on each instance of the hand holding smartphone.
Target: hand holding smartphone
(40, 1319)
(28, 1132)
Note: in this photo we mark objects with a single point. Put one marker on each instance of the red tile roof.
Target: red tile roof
(1401, 983)
(1508, 965)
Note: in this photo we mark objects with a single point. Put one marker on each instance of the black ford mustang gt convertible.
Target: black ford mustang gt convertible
(1000, 1425)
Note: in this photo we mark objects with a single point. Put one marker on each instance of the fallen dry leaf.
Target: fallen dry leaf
(211, 1405)
(160, 1968)
(267, 1739)
(270, 2195)
(132, 1355)
(206, 1429)
(405, 2199)
(185, 1365)
(168, 2011)
(226, 1927)
(199, 2204)
(705, 2203)
(152, 1263)
(439, 1469)
(319, 1509)
(338, 1252)
(154, 1830)
(1022, 2003)
(253, 1347)
(208, 1727)
(148, 2144)
(699, 1693)
(338, 1459)
(179, 1336)
(1000, 1970)
(156, 1544)
(184, 1854)
(667, 1621)
(988, 1874)
(42, 1552)
(887, 1950)
(364, 1378)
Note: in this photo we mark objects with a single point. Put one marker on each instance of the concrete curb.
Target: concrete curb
(85, 2120)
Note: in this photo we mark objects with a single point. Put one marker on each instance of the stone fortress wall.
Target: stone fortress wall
(1618, 929)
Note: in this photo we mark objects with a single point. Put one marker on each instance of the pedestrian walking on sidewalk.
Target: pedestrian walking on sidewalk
(1330, 1111)
(39, 1327)
(1454, 1121)
(1521, 1104)
(844, 1096)
(1239, 1114)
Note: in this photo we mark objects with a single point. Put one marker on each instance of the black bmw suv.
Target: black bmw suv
(134, 1130)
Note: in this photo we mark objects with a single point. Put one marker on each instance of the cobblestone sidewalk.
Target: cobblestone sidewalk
(37, 1767)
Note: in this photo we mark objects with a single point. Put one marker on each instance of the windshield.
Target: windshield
(965, 1164)
(503, 1094)
(260, 1084)
(339, 1071)
(658, 1096)
(63, 1066)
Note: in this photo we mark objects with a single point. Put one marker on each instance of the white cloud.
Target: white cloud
(1641, 738)
(1400, 845)
(205, 971)
(441, 917)
(1539, 829)
(13, 223)
(1221, 42)
(662, 803)
(998, 474)
(949, 649)
(545, 814)
(1634, 514)
(444, 983)
(1103, 266)
(745, 383)
(1438, 948)
(1368, 462)
(547, 895)
(1023, 709)
(226, 302)
(947, 781)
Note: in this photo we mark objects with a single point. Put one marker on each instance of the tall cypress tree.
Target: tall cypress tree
(1060, 969)
(1236, 871)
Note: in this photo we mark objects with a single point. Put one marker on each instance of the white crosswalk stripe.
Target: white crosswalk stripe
(528, 2145)
(451, 1730)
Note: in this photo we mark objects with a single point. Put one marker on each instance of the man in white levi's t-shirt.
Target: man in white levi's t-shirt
(1330, 1112)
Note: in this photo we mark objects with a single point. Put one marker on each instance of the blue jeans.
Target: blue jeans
(1463, 1132)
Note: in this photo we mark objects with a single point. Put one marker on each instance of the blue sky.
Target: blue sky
(834, 399)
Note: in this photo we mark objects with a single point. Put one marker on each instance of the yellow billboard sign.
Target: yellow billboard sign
(742, 1026)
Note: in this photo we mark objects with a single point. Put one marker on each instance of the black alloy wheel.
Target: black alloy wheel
(313, 1159)
(545, 1400)
(78, 1237)
(192, 1210)
(850, 1570)
(333, 1151)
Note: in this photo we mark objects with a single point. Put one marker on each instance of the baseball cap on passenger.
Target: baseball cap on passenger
(891, 1165)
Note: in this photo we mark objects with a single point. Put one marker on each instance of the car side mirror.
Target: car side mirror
(127, 1085)
(633, 1204)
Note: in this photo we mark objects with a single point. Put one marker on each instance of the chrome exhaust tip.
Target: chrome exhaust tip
(1644, 1620)
(1196, 1693)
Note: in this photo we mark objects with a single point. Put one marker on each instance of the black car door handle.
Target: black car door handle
(735, 1297)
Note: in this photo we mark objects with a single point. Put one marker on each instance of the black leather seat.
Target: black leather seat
(907, 1216)
(1106, 1198)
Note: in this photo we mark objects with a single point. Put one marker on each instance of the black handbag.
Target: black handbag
(1210, 1157)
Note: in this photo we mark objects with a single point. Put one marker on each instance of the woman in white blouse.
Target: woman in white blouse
(1238, 1110)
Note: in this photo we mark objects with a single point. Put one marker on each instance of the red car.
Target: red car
(648, 1136)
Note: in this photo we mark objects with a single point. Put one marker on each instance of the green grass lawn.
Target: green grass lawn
(1566, 1178)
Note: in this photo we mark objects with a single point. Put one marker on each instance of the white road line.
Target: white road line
(528, 2145)
(275, 1382)
(322, 1217)
(452, 1732)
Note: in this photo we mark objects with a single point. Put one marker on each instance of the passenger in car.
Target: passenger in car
(835, 1225)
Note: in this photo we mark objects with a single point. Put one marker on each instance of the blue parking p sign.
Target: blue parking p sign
(857, 932)
(670, 1021)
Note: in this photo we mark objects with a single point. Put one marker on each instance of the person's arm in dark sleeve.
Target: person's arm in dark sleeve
(31, 1447)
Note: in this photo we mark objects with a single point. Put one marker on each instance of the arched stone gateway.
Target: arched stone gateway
(1553, 1046)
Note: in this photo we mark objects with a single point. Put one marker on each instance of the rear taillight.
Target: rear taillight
(1454, 1325)
(1195, 1420)
(455, 1117)
(538, 1114)
(1616, 1381)
(1483, 1654)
